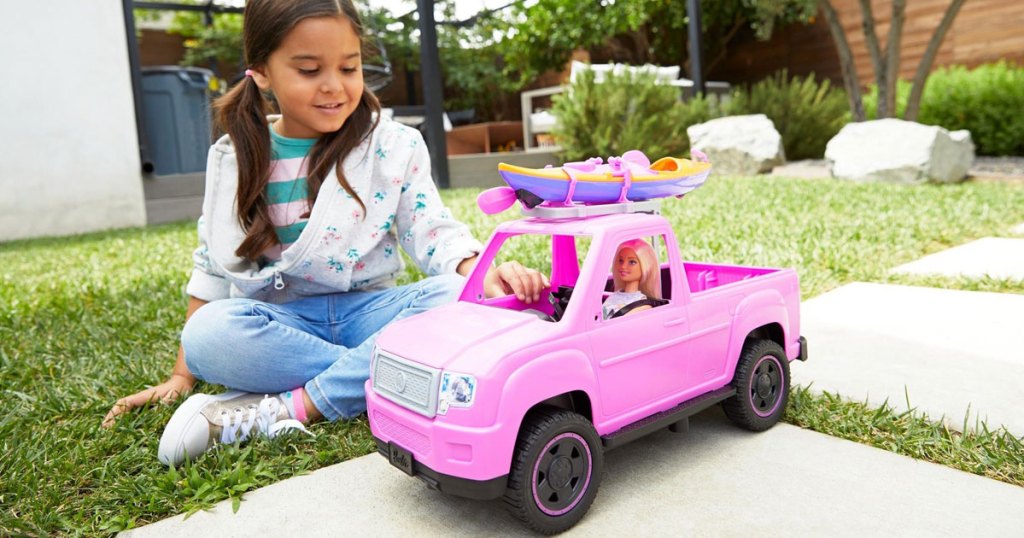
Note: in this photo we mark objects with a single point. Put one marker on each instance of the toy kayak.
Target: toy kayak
(631, 177)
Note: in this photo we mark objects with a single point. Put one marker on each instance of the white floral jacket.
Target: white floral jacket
(340, 249)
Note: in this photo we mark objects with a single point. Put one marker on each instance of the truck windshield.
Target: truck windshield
(559, 257)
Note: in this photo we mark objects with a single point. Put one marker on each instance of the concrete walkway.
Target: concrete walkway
(948, 350)
(994, 257)
(716, 480)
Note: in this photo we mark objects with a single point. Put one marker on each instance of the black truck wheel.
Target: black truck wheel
(556, 470)
(762, 386)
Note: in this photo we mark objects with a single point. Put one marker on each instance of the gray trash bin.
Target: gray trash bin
(176, 111)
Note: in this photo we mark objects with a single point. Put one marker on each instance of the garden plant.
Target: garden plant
(806, 112)
(628, 110)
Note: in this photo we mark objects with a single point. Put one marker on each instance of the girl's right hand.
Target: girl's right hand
(166, 392)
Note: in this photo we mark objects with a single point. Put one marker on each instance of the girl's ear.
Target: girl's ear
(262, 82)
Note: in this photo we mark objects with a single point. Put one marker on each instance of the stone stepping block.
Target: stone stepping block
(715, 480)
(995, 257)
(948, 351)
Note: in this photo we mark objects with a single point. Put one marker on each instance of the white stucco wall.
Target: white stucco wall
(69, 157)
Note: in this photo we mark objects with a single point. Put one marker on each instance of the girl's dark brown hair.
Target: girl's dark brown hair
(242, 114)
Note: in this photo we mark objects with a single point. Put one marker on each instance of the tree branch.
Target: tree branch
(877, 59)
(642, 45)
(850, 80)
(892, 61)
(736, 25)
(925, 67)
(871, 38)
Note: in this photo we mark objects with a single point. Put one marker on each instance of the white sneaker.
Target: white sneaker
(206, 419)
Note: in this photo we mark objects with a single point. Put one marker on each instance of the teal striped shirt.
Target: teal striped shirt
(287, 192)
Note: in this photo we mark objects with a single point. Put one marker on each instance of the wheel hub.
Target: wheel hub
(764, 385)
(560, 472)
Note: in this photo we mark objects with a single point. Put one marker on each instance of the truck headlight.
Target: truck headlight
(455, 390)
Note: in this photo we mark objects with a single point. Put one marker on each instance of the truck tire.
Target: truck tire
(556, 470)
(762, 386)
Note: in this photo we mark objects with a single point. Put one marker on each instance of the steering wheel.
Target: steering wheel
(637, 304)
(559, 301)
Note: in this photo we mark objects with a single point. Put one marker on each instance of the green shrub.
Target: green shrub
(805, 112)
(987, 101)
(625, 111)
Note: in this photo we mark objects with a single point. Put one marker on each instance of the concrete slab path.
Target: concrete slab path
(715, 480)
(1018, 229)
(996, 257)
(948, 349)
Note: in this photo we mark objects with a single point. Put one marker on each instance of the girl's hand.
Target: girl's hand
(512, 277)
(166, 392)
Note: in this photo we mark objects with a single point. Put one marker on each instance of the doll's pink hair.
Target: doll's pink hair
(650, 269)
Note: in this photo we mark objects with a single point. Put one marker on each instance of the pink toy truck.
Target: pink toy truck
(492, 397)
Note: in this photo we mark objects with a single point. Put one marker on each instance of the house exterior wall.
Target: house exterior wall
(70, 150)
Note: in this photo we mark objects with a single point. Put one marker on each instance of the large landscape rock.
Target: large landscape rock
(742, 145)
(898, 151)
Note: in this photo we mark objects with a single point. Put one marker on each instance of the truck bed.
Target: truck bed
(706, 276)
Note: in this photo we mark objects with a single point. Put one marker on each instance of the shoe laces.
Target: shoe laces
(255, 419)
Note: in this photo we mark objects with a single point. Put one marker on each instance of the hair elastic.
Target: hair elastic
(248, 72)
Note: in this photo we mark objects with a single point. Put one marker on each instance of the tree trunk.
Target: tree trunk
(850, 80)
(892, 61)
(877, 60)
(725, 40)
(925, 67)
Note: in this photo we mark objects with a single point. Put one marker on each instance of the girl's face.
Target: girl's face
(316, 75)
(627, 266)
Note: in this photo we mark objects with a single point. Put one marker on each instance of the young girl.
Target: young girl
(295, 272)
(636, 276)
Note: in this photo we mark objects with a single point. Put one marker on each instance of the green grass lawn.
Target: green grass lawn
(86, 320)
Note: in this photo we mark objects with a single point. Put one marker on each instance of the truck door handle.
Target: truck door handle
(675, 322)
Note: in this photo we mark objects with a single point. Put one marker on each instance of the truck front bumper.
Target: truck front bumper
(468, 461)
(452, 485)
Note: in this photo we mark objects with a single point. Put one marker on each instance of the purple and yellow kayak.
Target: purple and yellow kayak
(631, 177)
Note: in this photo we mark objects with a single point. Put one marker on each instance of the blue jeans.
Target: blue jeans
(320, 343)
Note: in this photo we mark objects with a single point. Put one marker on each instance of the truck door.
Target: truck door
(639, 356)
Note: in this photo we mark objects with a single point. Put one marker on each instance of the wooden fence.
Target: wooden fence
(984, 31)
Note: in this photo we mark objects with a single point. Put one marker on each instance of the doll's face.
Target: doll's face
(627, 266)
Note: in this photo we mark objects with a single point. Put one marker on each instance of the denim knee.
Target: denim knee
(440, 289)
(204, 332)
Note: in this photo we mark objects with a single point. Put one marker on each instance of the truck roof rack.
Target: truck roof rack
(579, 210)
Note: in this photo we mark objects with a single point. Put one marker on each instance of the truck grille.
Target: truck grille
(410, 385)
(404, 435)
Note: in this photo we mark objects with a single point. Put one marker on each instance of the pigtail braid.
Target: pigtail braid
(242, 114)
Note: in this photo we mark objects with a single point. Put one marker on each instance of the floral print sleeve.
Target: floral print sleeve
(206, 282)
(426, 228)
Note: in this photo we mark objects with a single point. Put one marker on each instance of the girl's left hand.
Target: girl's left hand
(513, 277)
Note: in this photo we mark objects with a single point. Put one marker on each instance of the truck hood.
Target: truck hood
(464, 337)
